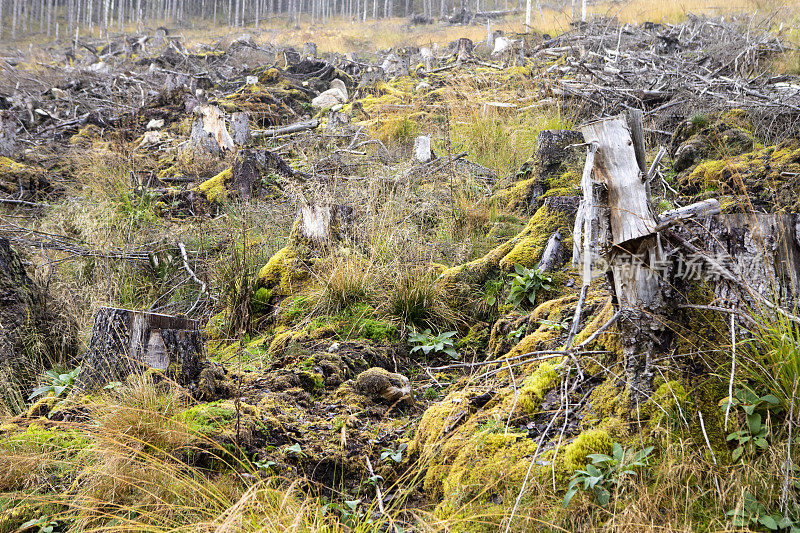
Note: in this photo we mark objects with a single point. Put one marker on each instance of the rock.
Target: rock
(380, 384)
(336, 95)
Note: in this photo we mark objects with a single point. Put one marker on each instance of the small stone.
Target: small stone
(333, 348)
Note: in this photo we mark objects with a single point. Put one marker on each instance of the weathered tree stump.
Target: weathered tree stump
(747, 260)
(8, 134)
(126, 342)
(209, 132)
(240, 128)
(33, 337)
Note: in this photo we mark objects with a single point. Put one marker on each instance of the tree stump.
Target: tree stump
(747, 260)
(8, 134)
(240, 128)
(209, 132)
(126, 342)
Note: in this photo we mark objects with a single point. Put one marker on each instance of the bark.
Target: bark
(126, 342)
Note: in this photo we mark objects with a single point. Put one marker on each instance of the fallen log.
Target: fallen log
(286, 130)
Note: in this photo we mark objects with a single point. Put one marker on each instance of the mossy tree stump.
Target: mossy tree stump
(125, 342)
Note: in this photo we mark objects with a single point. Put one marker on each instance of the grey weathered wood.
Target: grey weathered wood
(125, 342)
(8, 134)
(209, 132)
(422, 149)
(639, 293)
(699, 209)
(553, 256)
(240, 128)
(635, 119)
(286, 130)
(616, 167)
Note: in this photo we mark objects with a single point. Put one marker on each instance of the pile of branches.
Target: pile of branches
(671, 71)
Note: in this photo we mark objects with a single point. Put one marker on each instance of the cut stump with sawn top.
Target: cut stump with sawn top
(126, 342)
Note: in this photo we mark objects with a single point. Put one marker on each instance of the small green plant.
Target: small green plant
(295, 450)
(428, 343)
(395, 456)
(58, 383)
(40, 525)
(491, 291)
(607, 473)
(525, 283)
(752, 513)
(350, 514)
(753, 437)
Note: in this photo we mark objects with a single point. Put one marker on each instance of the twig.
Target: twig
(733, 371)
(378, 494)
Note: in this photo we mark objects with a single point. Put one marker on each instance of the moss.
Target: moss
(593, 441)
(377, 330)
(536, 386)
(608, 407)
(215, 189)
(667, 404)
(280, 272)
(41, 407)
(524, 249)
(208, 418)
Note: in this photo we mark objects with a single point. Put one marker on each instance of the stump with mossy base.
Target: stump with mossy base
(126, 342)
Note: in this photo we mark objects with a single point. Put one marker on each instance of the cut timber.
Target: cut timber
(125, 342)
(422, 149)
(553, 256)
(749, 257)
(286, 130)
(209, 132)
(325, 223)
(700, 209)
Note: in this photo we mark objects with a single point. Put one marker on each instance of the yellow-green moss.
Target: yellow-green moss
(279, 271)
(593, 441)
(536, 386)
(214, 189)
(524, 249)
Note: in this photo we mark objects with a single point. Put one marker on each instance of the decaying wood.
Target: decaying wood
(125, 342)
(240, 128)
(8, 134)
(209, 132)
(639, 294)
(286, 130)
(697, 210)
(553, 256)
